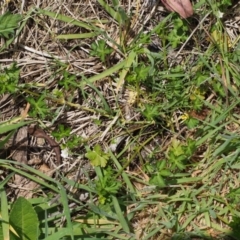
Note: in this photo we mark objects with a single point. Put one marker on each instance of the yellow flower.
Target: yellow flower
(184, 116)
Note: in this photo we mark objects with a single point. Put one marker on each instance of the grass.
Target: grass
(145, 106)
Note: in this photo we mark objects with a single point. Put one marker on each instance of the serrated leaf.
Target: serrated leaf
(24, 220)
(8, 23)
(97, 157)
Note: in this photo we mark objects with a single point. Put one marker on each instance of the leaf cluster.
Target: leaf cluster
(100, 49)
(8, 23)
(9, 78)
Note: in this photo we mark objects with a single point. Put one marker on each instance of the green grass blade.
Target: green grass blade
(67, 19)
(115, 15)
(120, 215)
(78, 36)
(129, 61)
(124, 175)
(46, 182)
(4, 214)
(104, 74)
(66, 210)
(6, 127)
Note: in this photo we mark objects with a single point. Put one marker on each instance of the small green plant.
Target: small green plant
(190, 121)
(39, 107)
(68, 81)
(72, 142)
(176, 86)
(100, 49)
(61, 132)
(151, 112)
(9, 78)
(176, 161)
(139, 74)
(179, 32)
(160, 173)
(106, 184)
(178, 153)
(196, 98)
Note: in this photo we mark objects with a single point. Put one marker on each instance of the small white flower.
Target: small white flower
(219, 14)
(64, 153)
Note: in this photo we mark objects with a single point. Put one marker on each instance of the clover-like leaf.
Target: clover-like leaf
(97, 157)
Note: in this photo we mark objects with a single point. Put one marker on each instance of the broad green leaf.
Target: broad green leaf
(24, 220)
(165, 173)
(8, 23)
(97, 156)
(20, 28)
